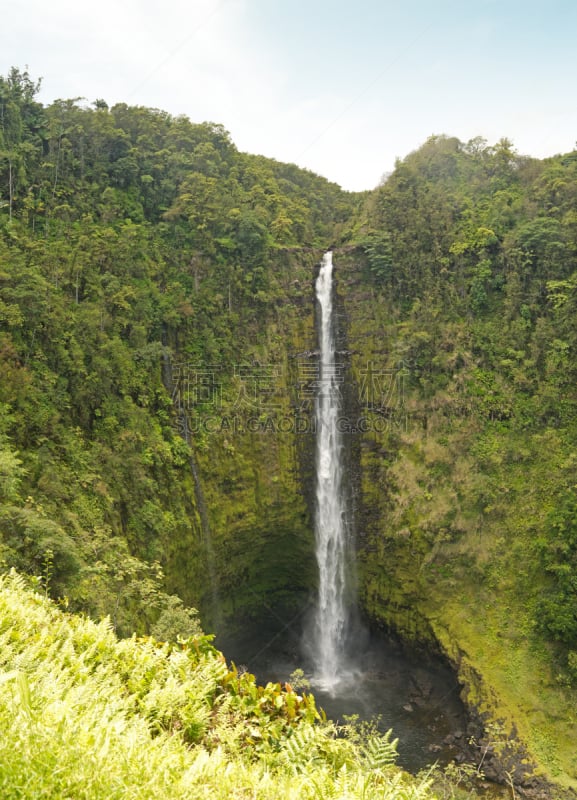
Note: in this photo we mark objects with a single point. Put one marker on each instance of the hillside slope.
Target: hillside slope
(84, 715)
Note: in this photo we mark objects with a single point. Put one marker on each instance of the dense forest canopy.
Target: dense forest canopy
(476, 248)
(131, 240)
(126, 234)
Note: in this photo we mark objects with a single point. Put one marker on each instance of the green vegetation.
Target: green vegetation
(84, 715)
(156, 299)
(132, 243)
(469, 494)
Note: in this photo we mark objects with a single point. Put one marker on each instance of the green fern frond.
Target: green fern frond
(380, 752)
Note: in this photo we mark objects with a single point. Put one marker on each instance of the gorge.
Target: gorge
(131, 239)
(351, 671)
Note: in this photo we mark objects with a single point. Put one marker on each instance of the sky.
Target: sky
(340, 88)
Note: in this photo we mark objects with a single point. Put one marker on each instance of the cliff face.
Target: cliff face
(450, 499)
(253, 443)
(435, 482)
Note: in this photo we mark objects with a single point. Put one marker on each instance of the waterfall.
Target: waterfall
(331, 616)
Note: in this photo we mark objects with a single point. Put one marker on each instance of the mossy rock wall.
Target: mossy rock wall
(451, 502)
(254, 453)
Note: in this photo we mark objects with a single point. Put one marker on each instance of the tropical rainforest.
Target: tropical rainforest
(157, 359)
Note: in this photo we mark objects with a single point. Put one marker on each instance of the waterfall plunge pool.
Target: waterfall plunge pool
(415, 694)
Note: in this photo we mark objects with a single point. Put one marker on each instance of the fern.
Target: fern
(380, 752)
(84, 715)
(299, 746)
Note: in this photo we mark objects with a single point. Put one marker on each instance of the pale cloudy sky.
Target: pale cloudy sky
(342, 88)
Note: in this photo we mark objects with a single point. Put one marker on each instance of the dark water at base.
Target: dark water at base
(414, 694)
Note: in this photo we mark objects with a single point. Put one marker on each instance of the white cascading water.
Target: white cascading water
(330, 523)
